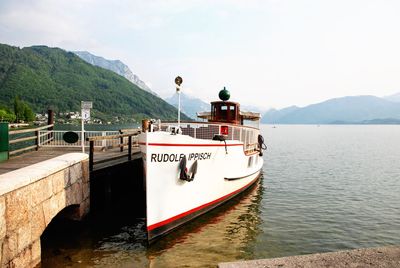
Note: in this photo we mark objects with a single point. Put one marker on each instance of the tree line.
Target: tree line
(21, 112)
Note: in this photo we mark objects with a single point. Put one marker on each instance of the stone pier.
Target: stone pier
(382, 257)
(32, 196)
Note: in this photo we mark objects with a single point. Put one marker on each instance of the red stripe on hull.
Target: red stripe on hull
(189, 145)
(194, 210)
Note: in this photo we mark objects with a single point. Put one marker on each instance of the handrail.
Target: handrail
(129, 130)
(206, 130)
(22, 139)
(208, 123)
(110, 137)
(12, 132)
(35, 137)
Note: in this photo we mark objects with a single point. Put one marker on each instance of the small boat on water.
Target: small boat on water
(193, 167)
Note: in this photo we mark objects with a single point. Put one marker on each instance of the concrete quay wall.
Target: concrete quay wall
(32, 196)
(383, 257)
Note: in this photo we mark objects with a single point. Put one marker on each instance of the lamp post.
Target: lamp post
(178, 82)
(85, 116)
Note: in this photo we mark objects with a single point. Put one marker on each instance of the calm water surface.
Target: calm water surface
(324, 188)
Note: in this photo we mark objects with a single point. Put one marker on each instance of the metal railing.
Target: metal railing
(129, 139)
(200, 130)
(20, 141)
(57, 139)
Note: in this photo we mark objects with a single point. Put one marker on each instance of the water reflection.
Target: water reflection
(224, 234)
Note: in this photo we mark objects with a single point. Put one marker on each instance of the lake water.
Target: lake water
(324, 188)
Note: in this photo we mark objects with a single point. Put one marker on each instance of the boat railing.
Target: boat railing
(207, 131)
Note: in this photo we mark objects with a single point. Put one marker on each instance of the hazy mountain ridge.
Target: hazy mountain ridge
(116, 66)
(350, 109)
(274, 115)
(189, 105)
(394, 97)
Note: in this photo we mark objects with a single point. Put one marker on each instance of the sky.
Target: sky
(268, 53)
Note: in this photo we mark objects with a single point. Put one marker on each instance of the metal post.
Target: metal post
(82, 135)
(178, 82)
(91, 155)
(50, 121)
(179, 109)
(37, 133)
(130, 148)
(104, 142)
(85, 115)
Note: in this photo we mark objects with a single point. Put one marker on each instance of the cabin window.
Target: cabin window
(214, 112)
(232, 112)
(224, 112)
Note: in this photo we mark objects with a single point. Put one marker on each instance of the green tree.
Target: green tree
(22, 111)
(6, 116)
(18, 109)
(29, 115)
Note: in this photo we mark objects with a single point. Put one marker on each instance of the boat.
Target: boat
(193, 167)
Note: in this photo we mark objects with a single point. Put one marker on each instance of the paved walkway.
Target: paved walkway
(382, 257)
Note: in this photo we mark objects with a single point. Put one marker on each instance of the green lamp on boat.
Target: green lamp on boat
(224, 94)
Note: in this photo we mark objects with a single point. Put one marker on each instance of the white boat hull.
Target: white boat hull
(223, 171)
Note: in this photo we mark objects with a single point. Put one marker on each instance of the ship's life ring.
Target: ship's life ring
(261, 144)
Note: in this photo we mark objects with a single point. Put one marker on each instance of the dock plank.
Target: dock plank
(113, 155)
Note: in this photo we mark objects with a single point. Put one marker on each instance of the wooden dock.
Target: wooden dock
(102, 159)
(43, 143)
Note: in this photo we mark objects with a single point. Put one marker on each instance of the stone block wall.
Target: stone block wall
(31, 197)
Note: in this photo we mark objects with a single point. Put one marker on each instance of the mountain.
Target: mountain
(253, 108)
(394, 97)
(189, 105)
(116, 66)
(274, 116)
(51, 77)
(354, 109)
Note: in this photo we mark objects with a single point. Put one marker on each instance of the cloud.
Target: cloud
(40, 22)
(291, 52)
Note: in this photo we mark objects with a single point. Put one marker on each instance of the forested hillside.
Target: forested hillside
(47, 77)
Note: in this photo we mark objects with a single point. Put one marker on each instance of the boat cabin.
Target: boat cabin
(225, 111)
(228, 112)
